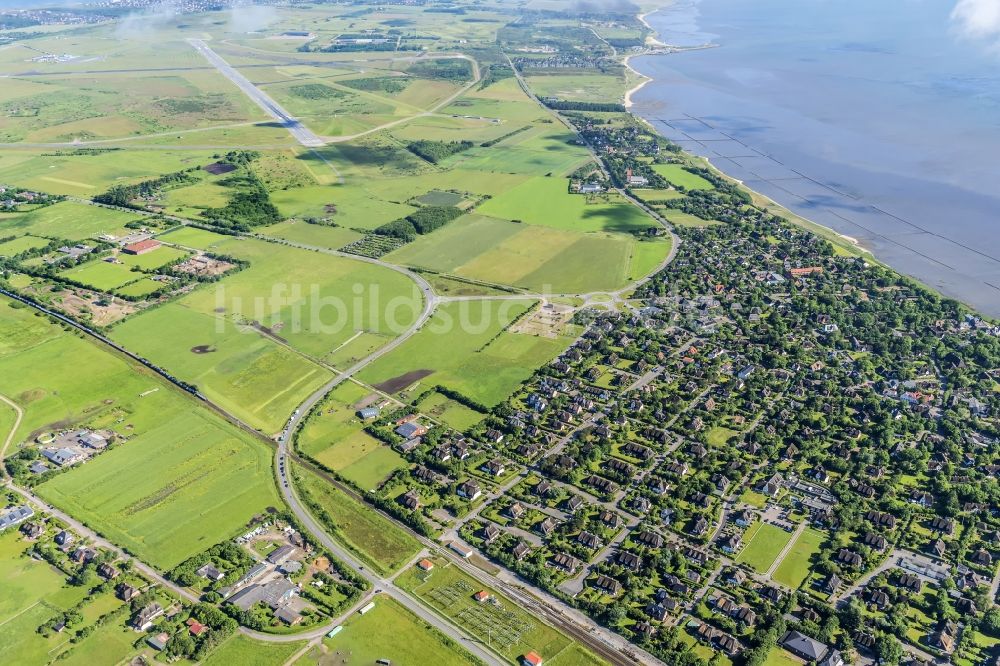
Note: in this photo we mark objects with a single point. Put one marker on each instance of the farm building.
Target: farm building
(142, 247)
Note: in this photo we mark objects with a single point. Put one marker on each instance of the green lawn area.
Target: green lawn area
(374, 538)
(101, 275)
(546, 201)
(68, 219)
(371, 470)
(754, 499)
(778, 657)
(680, 177)
(465, 347)
(312, 234)
(333, 421)
(448, 579)
(248, 652)
(33, 592)
(794, 569)
(453, 413)
(763, 544)
(21, 244)
(175, 489)
(388, 631)
(719, 436)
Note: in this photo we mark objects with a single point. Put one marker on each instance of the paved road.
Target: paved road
(301, 133)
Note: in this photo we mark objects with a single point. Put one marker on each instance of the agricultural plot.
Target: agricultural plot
(537, 258)
(33, 592)
(311, 234)
(241, 369)
(84, 173)
(465, 347)
(160, 257)
(68, 220)
(794, 569)
(763, 546)
(101, 275)
(361, 459)
(248, 652)
(547, 202)
(453, 413)
(538, 153)
(182, 476)
(578, 87)
(388, 632)
(333, 420)
(177, 487)
(499, 622)
(378, 541)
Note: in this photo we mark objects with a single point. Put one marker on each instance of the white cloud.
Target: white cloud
(978, 19)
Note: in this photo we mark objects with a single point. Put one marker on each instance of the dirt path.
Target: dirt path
(18, 415)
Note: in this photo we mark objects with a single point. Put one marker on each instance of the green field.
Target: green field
(375, 539)
(173, 491)
(159, 257)
(33, 592)
(764, 543)
(391, 632)
(453, 413)
(248, 652)
(547, 202)
(101, 275)
(526, 633)
(361, 459)
(244, 371)
(333, 421)
(21, 244)
(70, 220)
(183, 478)
(794, 569)
(466, 348)
(680, 177)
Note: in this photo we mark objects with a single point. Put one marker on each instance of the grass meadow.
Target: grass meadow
(794, 569)
(388, 631)
(377, 540)
(183, 477)
(465, 346)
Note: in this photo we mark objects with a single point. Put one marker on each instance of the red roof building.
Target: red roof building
(531, 659)
(195, 627)
(425, 564)
(142, 247)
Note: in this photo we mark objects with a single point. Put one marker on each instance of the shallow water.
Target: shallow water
(880, 120)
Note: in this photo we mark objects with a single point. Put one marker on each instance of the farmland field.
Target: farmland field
(21, 244)
(248, 652)
(375, 539)
(466, 348)
(547, 202)
(186, 483)
(763, 546)
(390, 632)
(68, 220)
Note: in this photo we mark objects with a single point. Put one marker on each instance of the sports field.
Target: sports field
(465, 347)
(794, 569)
(764, 543)
(389, 632)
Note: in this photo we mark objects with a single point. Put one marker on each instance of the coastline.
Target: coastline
(772, 205)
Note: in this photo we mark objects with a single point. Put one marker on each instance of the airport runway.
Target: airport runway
(301, 133)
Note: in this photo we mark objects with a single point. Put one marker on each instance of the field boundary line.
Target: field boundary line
(20, 613)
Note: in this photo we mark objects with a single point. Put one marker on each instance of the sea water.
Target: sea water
(877, 118)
